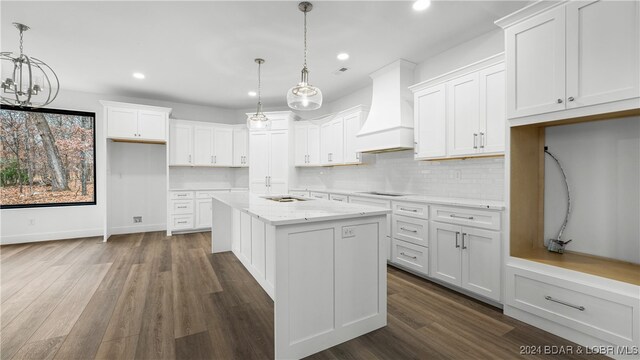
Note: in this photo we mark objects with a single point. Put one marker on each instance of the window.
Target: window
(47, 157)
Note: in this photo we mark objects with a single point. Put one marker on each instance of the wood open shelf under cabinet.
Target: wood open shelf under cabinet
(526, 213)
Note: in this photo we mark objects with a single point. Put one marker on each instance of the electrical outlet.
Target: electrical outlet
(348, 232)
(32, 221)
(137, 219)
(457, 174)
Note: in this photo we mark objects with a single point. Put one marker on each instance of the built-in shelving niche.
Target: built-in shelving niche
(527, 167)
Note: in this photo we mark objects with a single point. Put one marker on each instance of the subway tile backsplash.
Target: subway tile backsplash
(481, 178)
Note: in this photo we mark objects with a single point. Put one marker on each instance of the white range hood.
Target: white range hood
(389, 126)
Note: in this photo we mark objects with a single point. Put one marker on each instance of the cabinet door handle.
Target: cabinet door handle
(463, 245)
(461, 217)
(571, 98)
(212, 159)
(559, 101)
(215, 159)
(481, 140)
(409, 256)
(578, 307)
(457, 235)
(475, 140)
(409, 230)
(412, 210)
(189, 159)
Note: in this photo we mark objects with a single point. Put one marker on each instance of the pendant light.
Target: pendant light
(304, 96)
(31, 82)
(259, 120)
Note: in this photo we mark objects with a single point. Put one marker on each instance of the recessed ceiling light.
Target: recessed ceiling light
(252, 93)
(343, 56)
(138, 75)
(420, 5)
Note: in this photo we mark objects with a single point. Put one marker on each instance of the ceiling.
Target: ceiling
(202, 52)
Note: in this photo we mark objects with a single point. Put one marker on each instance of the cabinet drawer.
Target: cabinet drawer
(416, 210)
(411, 256)
(584, 308)
(182, 206)
(319, 195)
(410, 229)
(208, 194)
(182, 222)
(337, 197)
(299, 193)
(466, 216)
(181, 195)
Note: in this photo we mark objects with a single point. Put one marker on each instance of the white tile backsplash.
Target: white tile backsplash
(481, 178)
(200, 177)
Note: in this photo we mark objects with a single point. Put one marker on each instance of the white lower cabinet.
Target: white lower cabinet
(203, 213)
(411, 256)
(191, 210)
(466, 257)
(379, 203)
(319, 195)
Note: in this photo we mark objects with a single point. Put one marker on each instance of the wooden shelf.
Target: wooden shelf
(594, 265)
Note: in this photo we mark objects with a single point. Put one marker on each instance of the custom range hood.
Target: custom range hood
(389, 126)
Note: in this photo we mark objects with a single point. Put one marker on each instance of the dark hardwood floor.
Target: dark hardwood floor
(148, 296)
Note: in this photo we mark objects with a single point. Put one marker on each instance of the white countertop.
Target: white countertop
(439, 200)
(312, 210)
(210, 189)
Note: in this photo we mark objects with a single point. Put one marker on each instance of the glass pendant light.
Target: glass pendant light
(304, 96)
(259, 120)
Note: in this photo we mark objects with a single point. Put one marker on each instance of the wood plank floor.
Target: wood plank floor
(148, 296)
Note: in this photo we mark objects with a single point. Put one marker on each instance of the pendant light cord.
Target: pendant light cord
(305, 39)
(259, 85)
(21, 34)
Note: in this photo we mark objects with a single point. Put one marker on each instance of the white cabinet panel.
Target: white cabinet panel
(326, 143)
(481, 262)
(259, 156)
(152, 125)
(279, 162)
(445, 259)
(313, 145)
(410, 229)
(223, 146)
(245, 237)
(352, 125)
(463, 115)
(535, 52)
(602, 51)
(203, 213)
(122, 123)
(203, 145)
(337, 146)
(258, 247)
(411, 256)
(379, 203)
(319, 195)
(430, 122)
(240, 147)
(300, 145)
(181, 144)
(493, 115)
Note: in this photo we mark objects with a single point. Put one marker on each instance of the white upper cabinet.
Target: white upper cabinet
(535, 53)
(602, 51)
(203, 144)
(461, 113)
(223, 146)
(259, 144)
(139, 123)
(352, 123)
(307, 144)
(572, 59)
(338, 138)
(332, 142)
(463, 108)
(430, 122)
(180, 144)
(240, 146)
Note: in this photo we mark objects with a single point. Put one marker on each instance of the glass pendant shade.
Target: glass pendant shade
(259, 120)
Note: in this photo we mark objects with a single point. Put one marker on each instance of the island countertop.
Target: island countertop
(311, 210)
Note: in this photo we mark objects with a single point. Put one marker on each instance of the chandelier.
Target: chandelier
(304, 96)
(259, 120)
(29, 82)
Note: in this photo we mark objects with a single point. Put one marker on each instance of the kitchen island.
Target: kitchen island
(322, 262)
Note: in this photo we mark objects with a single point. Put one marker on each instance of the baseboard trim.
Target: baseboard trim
(137, 229)
(47, 236)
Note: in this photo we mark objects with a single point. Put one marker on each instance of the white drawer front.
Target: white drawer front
(182, 222)
(176, 195)
(337, 197)
(466, 216)
(182, 206)
(208, 194)
(411, 229)
(416, 210)
(299, 193)
(411, 256)
(577, 306)
(319, 195)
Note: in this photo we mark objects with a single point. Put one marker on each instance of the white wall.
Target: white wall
(79, 221)
(602, 163)
(472, 178)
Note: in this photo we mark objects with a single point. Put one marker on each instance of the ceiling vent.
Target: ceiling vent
(340, 71)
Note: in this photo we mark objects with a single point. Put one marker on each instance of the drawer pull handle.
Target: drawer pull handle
(182, 207)
(581, 308)
(461, 217)
(182, 194)
(410, 230)
(409, 256)
(412, 210)
(182, 222)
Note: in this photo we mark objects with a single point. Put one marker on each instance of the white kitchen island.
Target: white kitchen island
(322, 262)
